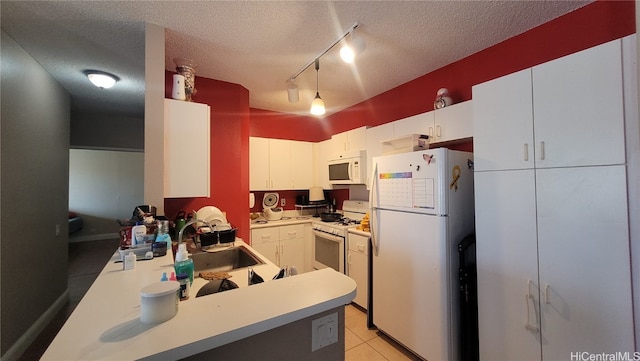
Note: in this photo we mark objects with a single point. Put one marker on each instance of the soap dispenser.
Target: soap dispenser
(184, 264)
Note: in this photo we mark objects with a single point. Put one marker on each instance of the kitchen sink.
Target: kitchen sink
(224, 260)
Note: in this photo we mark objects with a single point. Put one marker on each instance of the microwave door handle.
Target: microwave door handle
(350, 170)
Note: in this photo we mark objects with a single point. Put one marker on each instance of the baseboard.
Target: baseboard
(18, 348)
(94, 237)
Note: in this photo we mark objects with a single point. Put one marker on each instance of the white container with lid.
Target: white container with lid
(159, 302)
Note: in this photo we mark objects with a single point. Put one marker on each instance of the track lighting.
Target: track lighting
(355, 45)
(317, 105)
(351, 48)
(101, 79)
(292, 91)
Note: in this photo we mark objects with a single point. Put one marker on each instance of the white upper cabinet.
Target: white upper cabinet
(452, 123)
(503, 123)
(301, 165)
(417, 124)
(354, 139)
(279, 164)
(186, 149)
(544, 117)
(574, 95)
(375, 136)
(259, 164)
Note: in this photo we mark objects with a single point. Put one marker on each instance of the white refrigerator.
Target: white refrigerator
(421, 207)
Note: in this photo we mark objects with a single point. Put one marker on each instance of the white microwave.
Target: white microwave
(348, 168)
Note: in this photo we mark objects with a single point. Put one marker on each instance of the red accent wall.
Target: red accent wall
(591, 25)
(229, 152)
(233, 121)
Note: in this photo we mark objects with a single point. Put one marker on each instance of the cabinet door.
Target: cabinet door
(507, 265)
(265, 241)
(325, 152)
(357, 267)
(375, 135)
(579, 110)
(355, 139)
(301, 165)
(292, 253)
(258, 164)
(279, 164)
(417, 124)
(186, 149)
(583, 245)
(453, 122)
(503, 123)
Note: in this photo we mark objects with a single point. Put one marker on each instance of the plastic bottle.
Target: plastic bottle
(163, 233)
(184, 264)
(130, 261)
(138, 233)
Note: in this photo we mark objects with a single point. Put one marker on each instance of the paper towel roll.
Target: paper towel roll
(252, 200)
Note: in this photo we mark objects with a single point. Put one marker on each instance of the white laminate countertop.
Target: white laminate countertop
(360, 232)
(106, 325)
(282, 222)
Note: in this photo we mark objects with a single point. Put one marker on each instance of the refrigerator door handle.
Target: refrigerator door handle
(373, 207)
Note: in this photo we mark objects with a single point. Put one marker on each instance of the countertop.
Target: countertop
(282, 222)
(106, 326)
(360, 232)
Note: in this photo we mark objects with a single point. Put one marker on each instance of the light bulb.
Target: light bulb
(317, 105)
(102, 80)
(352, 48)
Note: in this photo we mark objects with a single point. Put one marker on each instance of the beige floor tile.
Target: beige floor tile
(358, 324)
(351, 340)
(350, 310)
(390, 350)
(363, 352)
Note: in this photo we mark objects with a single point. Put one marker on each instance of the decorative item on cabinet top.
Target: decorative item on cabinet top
(442, 99)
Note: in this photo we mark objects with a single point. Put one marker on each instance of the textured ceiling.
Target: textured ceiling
(260, 44)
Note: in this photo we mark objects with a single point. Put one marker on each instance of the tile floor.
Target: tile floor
(362, 344)
(86, 260)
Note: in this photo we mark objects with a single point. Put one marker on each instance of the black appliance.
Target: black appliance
(468, 296)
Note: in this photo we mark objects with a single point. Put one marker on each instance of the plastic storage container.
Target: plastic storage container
(159, 302)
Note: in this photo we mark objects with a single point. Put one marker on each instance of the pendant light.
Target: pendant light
(317, 105)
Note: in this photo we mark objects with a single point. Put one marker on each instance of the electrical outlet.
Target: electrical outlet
(283, 202)
(324, 331)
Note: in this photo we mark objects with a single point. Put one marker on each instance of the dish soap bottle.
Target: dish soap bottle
(184, 264)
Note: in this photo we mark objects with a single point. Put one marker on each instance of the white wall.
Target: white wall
(104, 186)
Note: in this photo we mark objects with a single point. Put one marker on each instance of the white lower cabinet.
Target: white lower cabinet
(553, 263)
(282, 245)
(358, 267)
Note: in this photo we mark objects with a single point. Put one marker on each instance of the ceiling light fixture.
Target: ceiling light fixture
(101, 79)
(352, 47)
(317, 105)
(357, 44)
(292, 91)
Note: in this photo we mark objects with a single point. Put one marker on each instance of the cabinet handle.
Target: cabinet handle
(349, 259)
(281, 249)
(277, 255)
(266, 183)
(265, 237)
(292, 234)
(546, 295)
(526, 152)
(529, 300)
(541, 150)
(438, 131)
(430, 132)
(360, 247)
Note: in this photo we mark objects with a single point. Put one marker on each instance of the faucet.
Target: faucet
(193, 221)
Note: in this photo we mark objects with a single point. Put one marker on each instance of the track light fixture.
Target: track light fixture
(101, 79)
(352, 47)
(317, 105)
(356, 46)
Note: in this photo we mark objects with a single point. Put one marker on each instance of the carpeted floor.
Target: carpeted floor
(86, 260)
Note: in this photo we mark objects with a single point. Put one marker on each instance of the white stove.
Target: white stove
(329, 246)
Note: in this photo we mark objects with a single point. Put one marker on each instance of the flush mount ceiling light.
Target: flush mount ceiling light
(356, 45)
(317, 105)
(101, 79)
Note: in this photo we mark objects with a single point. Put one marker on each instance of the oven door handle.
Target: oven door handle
(329, 236)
